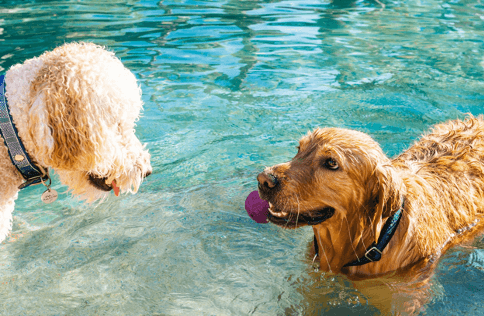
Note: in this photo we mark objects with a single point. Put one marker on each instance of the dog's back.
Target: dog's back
(451, 139)
(445, 175)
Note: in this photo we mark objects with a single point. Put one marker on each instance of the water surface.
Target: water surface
(229, 87)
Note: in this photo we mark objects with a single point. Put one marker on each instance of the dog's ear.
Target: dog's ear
(60, 113)
(385, 188)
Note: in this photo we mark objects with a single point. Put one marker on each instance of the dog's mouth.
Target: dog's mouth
(102, 183)
(295, 220)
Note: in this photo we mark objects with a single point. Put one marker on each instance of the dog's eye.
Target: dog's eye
(332, 164)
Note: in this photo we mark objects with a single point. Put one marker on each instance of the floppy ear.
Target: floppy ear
(59, 106)
(386, 193)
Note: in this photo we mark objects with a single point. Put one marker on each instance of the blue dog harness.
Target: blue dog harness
(16, 150)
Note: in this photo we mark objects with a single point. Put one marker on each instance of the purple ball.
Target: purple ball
(257, 208)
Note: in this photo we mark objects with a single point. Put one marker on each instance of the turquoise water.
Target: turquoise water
(229, 87)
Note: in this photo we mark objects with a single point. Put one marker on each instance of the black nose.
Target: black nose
(267, 181)
(147, 173)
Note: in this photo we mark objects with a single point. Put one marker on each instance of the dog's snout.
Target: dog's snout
(267, 181)
(147, 173)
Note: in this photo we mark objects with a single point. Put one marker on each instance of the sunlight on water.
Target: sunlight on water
(229, 87)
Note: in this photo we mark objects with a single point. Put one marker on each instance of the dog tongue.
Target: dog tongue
(115, 188)
(257, 208)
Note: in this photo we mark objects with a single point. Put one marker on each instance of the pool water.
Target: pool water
(229, 87)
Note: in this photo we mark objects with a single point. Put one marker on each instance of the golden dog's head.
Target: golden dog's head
(337, 173)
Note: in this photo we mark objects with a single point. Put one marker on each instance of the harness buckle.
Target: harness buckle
(376, 256)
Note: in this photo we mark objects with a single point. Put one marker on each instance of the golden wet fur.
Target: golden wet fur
(440, 178)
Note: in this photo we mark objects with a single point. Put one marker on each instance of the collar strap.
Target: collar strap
(374, 252)
(16, 150)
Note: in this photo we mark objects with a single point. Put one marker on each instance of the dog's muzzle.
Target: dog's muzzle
(269, 185)
(100, 183)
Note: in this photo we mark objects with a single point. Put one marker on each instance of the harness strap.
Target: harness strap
(16, 150)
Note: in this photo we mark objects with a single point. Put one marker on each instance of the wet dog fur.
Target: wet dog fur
(342, 184)
(75, 109)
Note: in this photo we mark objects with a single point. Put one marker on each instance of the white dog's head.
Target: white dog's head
(75, 108)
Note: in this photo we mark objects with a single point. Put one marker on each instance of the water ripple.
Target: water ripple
(229, 87)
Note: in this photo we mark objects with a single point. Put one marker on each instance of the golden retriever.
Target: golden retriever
(342, 184)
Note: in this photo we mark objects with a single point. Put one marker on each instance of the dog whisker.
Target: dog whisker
(340, 227)
(362, 233)
(324, 252)
(351, 238)
(371, 226)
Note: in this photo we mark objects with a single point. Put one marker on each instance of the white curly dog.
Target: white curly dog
(75, 110)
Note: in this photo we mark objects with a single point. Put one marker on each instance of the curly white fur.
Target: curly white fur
(75, 110)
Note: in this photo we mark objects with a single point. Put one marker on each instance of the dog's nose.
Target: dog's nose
(147, 173)
(267, 181)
